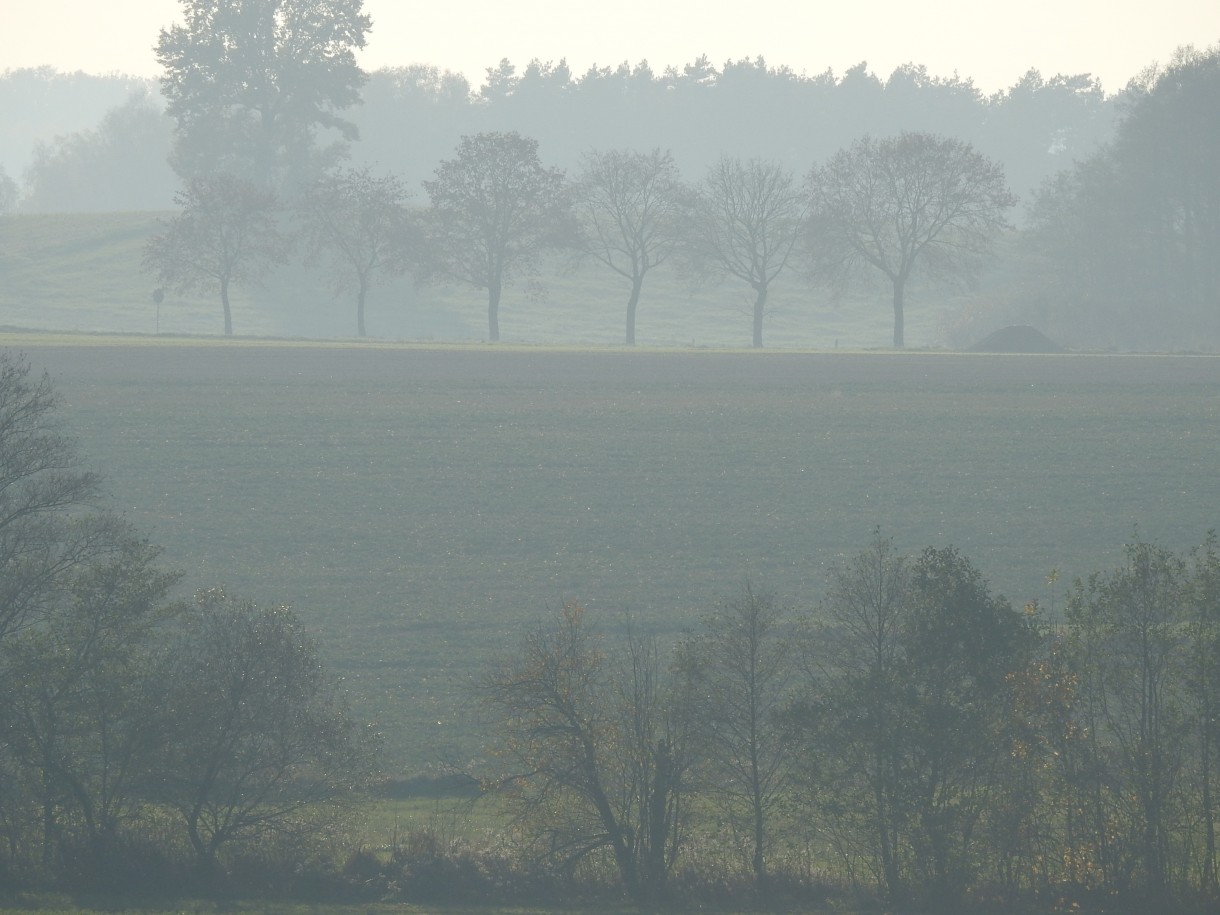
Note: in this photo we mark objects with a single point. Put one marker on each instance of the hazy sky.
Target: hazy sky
(992, 43)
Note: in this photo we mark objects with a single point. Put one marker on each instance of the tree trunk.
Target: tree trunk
(1209, 813)
(658, 826)
(760, 858)
(760, 307)
(49, 821)
(224, 300)
(756, 786)
(898, 318)
(624, 853)
(197, 843)
(885, 839)
(636, 284)
(360, 296)
(493, 311)
(1153, 842)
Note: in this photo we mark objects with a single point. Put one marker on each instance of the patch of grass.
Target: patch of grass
(387, 822)
(82, 272)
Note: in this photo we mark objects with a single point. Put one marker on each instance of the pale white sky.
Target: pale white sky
(992, 43)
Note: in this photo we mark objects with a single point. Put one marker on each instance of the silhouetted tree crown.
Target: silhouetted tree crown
(251, 83)
(494, 208)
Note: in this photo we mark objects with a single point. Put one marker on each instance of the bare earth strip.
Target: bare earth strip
(418, 506)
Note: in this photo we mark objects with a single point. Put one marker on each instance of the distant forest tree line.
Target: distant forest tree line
(912, 738)
(1122, 194)
(410, 118)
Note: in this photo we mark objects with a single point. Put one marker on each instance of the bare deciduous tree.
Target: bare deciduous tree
(629, 204)
(898, 203)
(858, 651)
(360, 224)
(82, 696)
(737, 670)
(1204, 685)
(227, 231)
(257, 740)
(597, 761)
(494, 209)
(745, 222)
(1127, 630)
(43, 493)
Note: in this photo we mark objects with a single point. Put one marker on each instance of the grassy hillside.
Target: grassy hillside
(82, 273)
(419, 505)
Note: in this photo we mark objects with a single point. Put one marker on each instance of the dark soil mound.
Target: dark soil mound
(1019, 338)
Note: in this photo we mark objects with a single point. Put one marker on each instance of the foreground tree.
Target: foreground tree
(737, 672)
(227, 232)
(912, 695)
(84, 698)
(78, 590)
(1127, 631)
(1203, 687)
(494, 209)
(630, 204)
(856, 654)
(746, 219)
(901, 203)
(358, 224)
(258, 741)
(598, 763)
(44, 493)
(962, 645)
(250, 82)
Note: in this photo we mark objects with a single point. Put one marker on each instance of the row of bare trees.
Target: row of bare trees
(894, 206)
(917, 737)
(141, 732)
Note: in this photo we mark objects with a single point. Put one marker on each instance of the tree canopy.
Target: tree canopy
(745, 222)
(120, 164)
(598, 762)
(250, 84)
(226, 232)
(258, 737)
(1135, 226)
(358, 224)
(630, 206)
(900, 203)
(120, 703)
(495, 208)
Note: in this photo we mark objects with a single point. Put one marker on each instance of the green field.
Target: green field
(419, 505)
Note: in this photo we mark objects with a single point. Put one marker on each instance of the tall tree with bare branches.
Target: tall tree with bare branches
(495, 207)
(738, 671)
(746, 219)
(227, 232)
(358, 225)
(629, 204)
(596, 761)
(899, 203)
